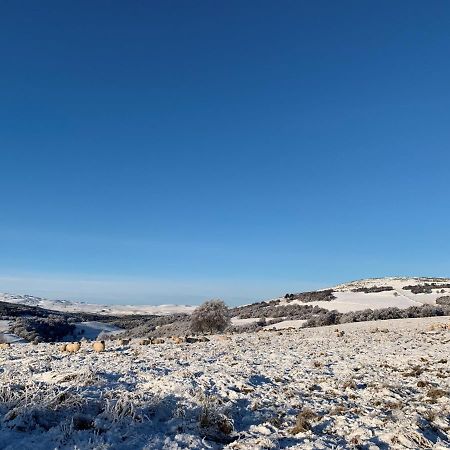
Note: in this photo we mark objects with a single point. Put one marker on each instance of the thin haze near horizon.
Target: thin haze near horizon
(167, 152)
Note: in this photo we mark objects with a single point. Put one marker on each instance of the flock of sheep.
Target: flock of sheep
(100, 346)
(74, 347)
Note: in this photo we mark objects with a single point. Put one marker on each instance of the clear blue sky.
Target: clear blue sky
(172, 151)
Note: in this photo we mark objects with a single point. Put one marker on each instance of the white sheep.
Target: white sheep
(74, 347)
(99, 346)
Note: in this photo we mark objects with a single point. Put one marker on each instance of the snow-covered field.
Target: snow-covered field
(381, 385)
(91, 330)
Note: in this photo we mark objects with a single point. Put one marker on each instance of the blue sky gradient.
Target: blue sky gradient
(167, 152)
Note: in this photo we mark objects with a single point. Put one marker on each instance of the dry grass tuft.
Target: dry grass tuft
(349, 384)
(303, 421)
(415, 371)
(436, 393)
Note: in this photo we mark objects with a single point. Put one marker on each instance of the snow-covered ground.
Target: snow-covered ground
(356, 301)
(91, 330)
(285, 324)
(381, 385)
(275, 326)
(239, 322)
(5, 335)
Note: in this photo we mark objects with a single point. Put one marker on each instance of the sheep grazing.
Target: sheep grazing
(124, 341)
(99, 346)
(5, 345)
(74, 347)
(177, 340)
(439, 327)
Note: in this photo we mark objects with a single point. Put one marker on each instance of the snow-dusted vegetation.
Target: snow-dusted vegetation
(364, 385)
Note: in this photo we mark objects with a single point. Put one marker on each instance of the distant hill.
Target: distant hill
(91, 308)
(376, 293)
(390, 297)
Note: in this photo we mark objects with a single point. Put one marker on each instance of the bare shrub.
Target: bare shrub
(373, 289)
(209, 317)
(314, 296)
(324, 319)
(271, 310)
(443, 300)
(335, 318)
(426, 288)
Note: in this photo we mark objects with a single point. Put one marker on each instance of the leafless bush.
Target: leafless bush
(209, 317)
(445, 301)
(335, 318)
(323, 319)
(426, 288)
(314, 296)
(373, 289)
(271, 310)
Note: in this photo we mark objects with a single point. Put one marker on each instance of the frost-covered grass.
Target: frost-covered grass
(381, 384)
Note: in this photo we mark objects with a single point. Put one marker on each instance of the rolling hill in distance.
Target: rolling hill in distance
(373, 293)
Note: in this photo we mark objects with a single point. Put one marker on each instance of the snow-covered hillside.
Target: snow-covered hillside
(69, 306)
(353, 296)
(373, 293)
